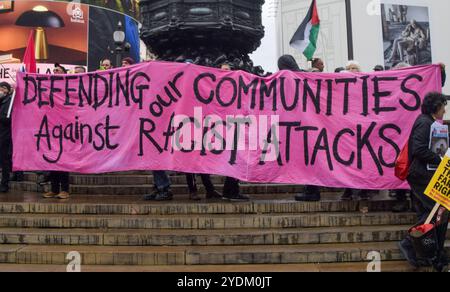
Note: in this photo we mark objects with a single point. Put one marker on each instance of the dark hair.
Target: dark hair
(129, 60)
(287, 62)
(432, 102)
(339, 69)
(57, 65)
(378, 68)
(314, 61)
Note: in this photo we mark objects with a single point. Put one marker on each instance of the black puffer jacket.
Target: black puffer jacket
(419, 152)
(5, 123)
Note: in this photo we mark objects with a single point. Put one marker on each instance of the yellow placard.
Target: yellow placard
(439, 188)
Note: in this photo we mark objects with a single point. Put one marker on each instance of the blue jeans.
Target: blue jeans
(161, 180)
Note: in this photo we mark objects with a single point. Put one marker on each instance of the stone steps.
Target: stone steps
(124, 179)
(135, 205)
(137, 179)
(204, 221)
(200, 255)
(272, 231)
(217, 237)
(393, 266)
(148, 188)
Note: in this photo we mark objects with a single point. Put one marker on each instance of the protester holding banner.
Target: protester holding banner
(287, 62)
(105, 64)
(79, 70)
(162, 190)
(127, 62)
(59, 180)
(420, 155)
(5, 135)
(353, 66)
(209, 187)
(231, 188)
(400, 195)
(318, 64)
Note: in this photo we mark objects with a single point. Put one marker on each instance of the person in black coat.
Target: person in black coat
(5, 135)
(420, 155)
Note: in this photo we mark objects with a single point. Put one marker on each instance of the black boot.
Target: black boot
(311, 194)
(164, 195)
(43, 178)
(364, 195)
(408, 251)
(348, 195)
(17, 176)
(236, 197)
(4, 188)
(307, 197)
(232, 192)
(213, 195)
(152, 196)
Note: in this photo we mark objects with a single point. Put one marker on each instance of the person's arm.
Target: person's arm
(421, 143)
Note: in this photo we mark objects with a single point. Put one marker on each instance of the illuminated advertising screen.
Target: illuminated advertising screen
(71, 34)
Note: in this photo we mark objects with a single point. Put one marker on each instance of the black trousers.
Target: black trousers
(59, 181)
(231, 187)
(423, 206)
(6, 158)
(312, 190)
(192, 182)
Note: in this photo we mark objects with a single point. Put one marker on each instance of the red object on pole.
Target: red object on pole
(29, 59)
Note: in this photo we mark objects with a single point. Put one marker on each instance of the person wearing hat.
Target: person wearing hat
(59, 69)
(5, 135)
(378, 68)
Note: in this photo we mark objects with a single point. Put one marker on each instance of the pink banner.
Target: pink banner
(336, 130)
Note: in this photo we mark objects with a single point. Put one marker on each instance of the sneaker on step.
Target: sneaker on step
(364, 195)
(49, 195)
(17, 176)
(348, 195)
(152, 196)
(194, 196)
(214, 195)
(165, 195)
(63, 195)
(236, 198)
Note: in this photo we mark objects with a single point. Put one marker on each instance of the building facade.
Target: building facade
(366, 32)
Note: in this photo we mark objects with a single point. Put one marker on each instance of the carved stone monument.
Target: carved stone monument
(204, 32)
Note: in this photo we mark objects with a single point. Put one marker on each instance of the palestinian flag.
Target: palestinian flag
(305, 38)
